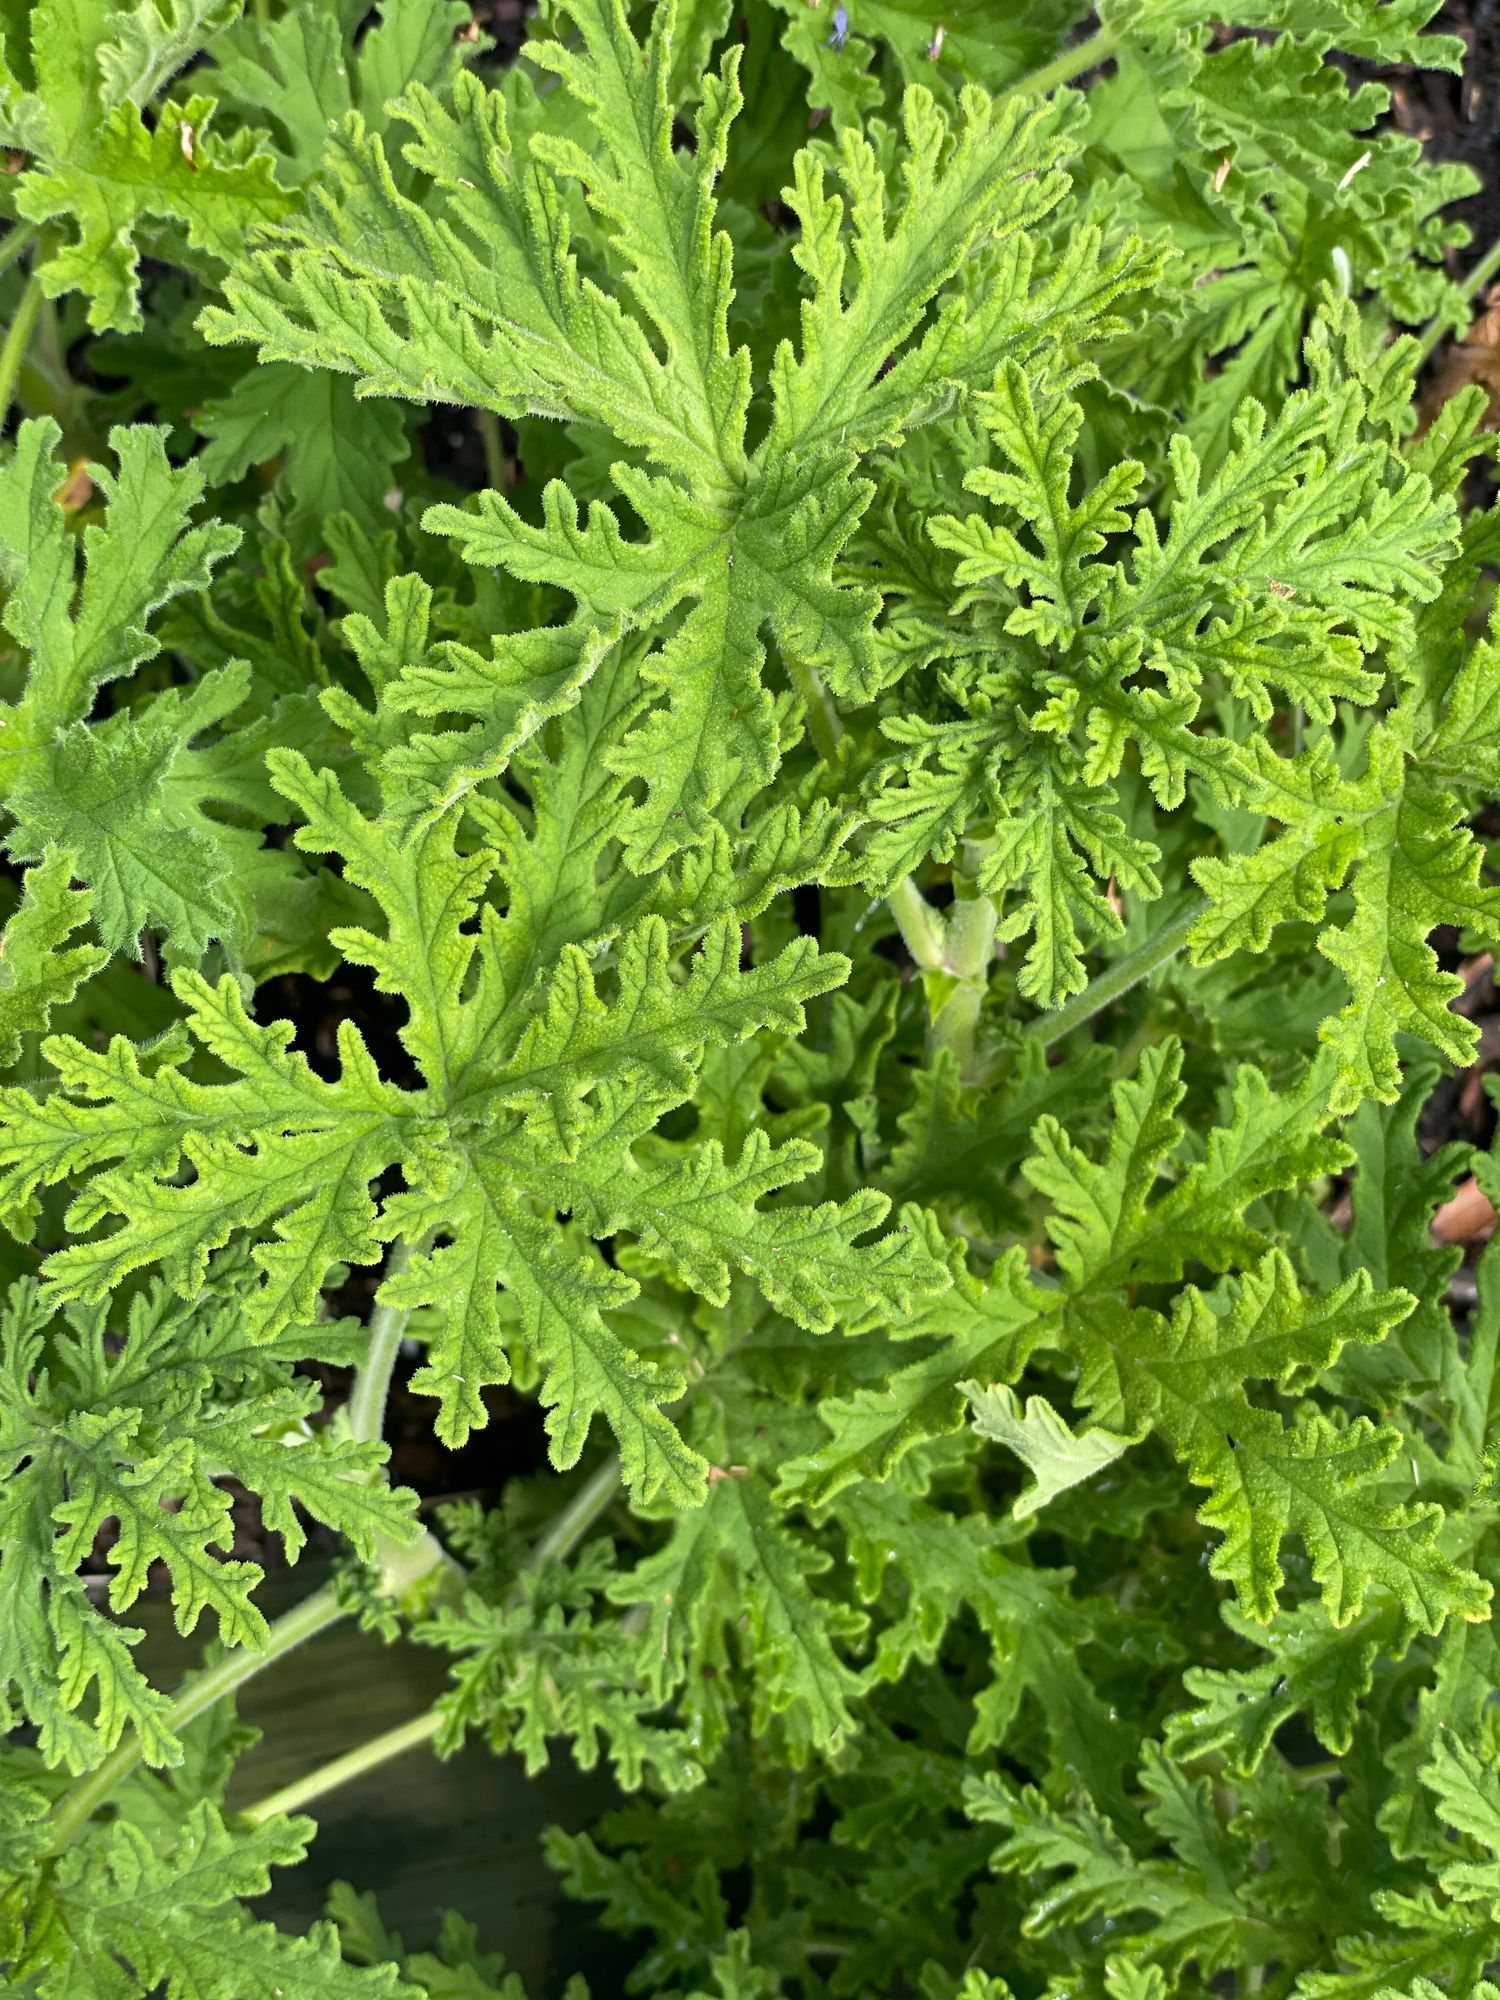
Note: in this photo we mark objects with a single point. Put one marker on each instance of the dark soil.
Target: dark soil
(1458, 117)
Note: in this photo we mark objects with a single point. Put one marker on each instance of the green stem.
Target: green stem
(401, 1565)
(314, 1614)
(921, 926)
(957, 948)
(340, 1770)
(1063, 68)
(20, 237)
(570, 1524)
(47, 365)
(372, 1384)
(488, 425)
(17, 339)
(560, 1537)
(1117, 978)
(824, 724)
(1474, 281)
(1315, 1774)
(966, 963)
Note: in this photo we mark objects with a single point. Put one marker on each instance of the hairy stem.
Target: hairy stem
(921, 926)
(570, 1524)
(401, 1566)
(824, 724)
(947, 949)
(340, 1770)
(372, 1383)
(558, 1539)
(1063, 68)
(17, 340)
(488, 426)
(1118, 978)
(314, 1614)
(1474, 282)
(956, 996)
(19, 238)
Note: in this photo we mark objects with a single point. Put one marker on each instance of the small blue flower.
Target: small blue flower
(840, 33)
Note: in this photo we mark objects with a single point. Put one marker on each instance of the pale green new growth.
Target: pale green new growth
(1056, 1457)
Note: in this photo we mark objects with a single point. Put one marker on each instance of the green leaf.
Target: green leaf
(116, 792)
(40, 966)
(1056, 1457)
(137, 1432)
(1194, 1912)
(532, 1104)
(746, 538)
(1414, 866)
(1181, 1373)
(1468, 1799)
(734, 1555)
(144, 553)
(548, 1666)
(341, 454)
(103, 171)
(300, 69)
(132, 1918)
(1311, 1668)
(988, 1328)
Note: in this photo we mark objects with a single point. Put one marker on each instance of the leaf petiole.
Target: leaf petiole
(1118, 978)
(313, 1615)
(401, 1568)
(1064, 67)
(1472, 286)
(18, 240)
(17, 340)
(561, 1535)
(922, 928)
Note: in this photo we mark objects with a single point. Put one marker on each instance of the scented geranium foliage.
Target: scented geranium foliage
(772, 729)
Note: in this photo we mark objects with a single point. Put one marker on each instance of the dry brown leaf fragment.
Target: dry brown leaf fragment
(1474, 359)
